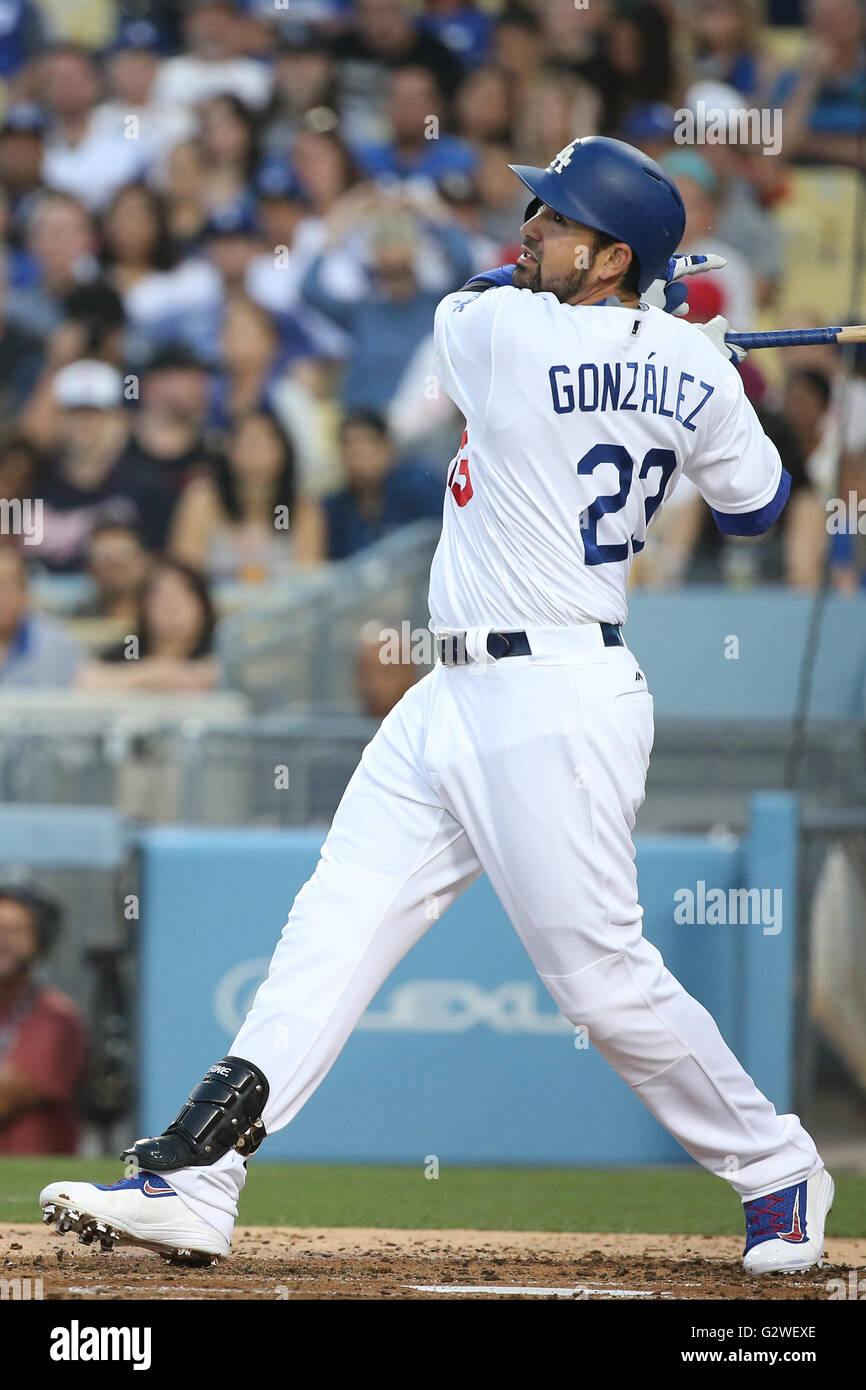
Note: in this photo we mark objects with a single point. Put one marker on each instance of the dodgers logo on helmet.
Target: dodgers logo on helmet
(562, 160)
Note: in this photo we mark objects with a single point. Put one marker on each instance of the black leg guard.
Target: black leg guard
(222, 1113)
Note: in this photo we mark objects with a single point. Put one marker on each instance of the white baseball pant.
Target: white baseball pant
(531, 769)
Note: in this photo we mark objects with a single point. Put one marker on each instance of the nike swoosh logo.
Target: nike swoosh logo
(795, 1235)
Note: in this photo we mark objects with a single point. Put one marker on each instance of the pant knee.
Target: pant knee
(619, 1015)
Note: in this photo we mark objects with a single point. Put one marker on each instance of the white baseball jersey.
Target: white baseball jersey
(579, 421)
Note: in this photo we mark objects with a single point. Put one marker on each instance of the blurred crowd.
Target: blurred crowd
(226, 224)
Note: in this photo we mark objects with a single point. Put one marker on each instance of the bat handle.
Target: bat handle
(785, 337)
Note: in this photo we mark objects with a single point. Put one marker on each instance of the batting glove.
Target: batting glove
(666, 293)
(715, 330)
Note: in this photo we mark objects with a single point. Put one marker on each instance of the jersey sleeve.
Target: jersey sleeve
(736, 468)
(463, 330)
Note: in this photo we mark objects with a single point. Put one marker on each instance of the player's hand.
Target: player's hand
(668, 294)
(715, 330)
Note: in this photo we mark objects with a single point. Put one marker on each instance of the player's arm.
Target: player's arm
(490, 279)
(464, 330)
(735, 466)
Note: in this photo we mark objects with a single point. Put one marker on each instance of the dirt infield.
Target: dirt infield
(340, 1263)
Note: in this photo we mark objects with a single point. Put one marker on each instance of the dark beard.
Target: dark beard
(564, 287)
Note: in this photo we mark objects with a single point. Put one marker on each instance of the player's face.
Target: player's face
(556, 257)
(560, 257)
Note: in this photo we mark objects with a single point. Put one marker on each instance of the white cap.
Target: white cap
(716, 96)
(88, 383)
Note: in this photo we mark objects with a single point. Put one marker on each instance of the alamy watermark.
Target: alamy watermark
(720, 907)
(853, 1288)
(736, 125)
(21, 1290)
(846, 516)
(22, 516)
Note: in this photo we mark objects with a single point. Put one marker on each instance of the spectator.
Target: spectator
(42, 1038)
(168, 431)
(483, 107)
(273, 277)
(136, 238)
(35, 652)
(735, 283)
(252, 361)
(460, 194)
(23, 36)
(744, 193)
(304, 80)
(243, 520)
(325, 168)
(556, 108)
(232, 241)
(255, 376)
(166, 299)
(518, 50)
(213, 62)
(21, 466)
(381, 682)
(93, 326)
(172, 648)
(386, 324)
(634, 63)
(94, 322)
(83, 157)
(650, 126)
(91, 477)
(182, 181)
(807, 408)
(118, 565)
(256, 32)
(61, 244)
(384, 36)
(729, 47)
(502, 205)
(22, 149)
(379, 494)
(131, 111)
(20, 360)
(824, 118)
(229, 139)
(462, 27)
(416, 148)
(571, 33)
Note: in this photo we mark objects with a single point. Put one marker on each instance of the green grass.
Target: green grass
(685, 1200)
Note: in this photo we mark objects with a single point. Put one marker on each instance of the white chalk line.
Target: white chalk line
(533, 1289)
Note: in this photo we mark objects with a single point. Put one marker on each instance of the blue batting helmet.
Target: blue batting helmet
(613, 188)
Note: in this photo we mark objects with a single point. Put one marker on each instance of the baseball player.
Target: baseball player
(523, 754)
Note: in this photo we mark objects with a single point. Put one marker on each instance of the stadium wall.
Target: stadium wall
(462, 1054)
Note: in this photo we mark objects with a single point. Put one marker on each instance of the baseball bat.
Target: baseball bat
(798, 337)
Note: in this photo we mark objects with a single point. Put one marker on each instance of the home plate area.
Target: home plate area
(282, 1264)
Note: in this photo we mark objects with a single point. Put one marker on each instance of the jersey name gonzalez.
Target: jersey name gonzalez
(579, 422)
(641, 386)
